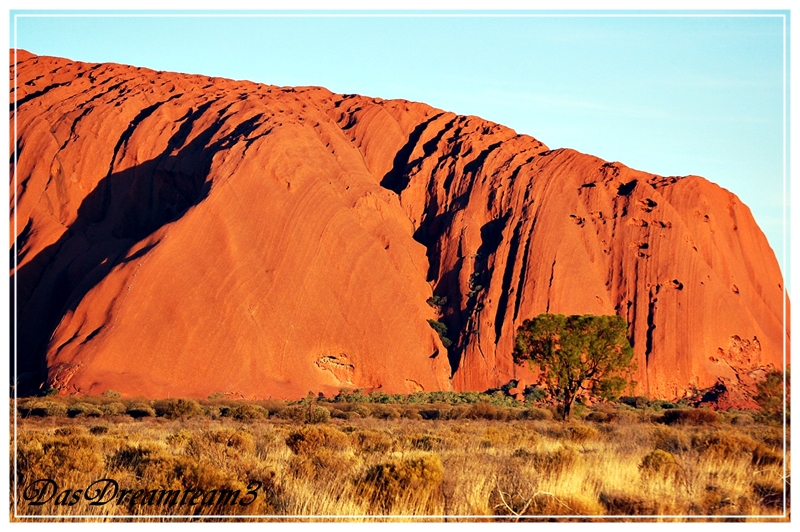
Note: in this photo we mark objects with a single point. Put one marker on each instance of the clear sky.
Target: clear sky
(668, 94)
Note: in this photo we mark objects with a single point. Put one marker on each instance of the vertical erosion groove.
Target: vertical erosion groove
(397, 179)
(508, 274)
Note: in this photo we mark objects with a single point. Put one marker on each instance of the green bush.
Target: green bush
(441, 330)
(533, 394)
(437, 302)
(351, 396)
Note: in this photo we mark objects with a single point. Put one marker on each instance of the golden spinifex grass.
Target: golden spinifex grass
(200, 463)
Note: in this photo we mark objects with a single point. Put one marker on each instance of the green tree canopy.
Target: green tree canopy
(575, 353)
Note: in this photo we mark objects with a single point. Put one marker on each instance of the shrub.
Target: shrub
(338, 413)
(764, 456)
(306, 414)
(372, 441)
(417, 477)
(598, 417)
(41, 455)
(581, 433)
(671, 440)
(361, 410)
(770, 395)
(323, 466)
(385, 412)
(84, 409)
(319, 414)
(770, 492)
(140, 410)
(180, 438)
(244, 412)
(131, 457)
(44, 408)
(240, 440)
(383, 397)
(485, 411)
(624, 417)
(350, 396)
(70, 431)
(427, 442)
(272, 407)
(437, 302)
(627, 504)
(741, 420)
(533, 394)
(293, 413)
(441, 330)
(660, 404)
(693, 416)
(438, 411)
(659, 463)
(723, 444)
(633, 401)
(99, 430)
(113, 409)
(552, 462)
(536, 414)
(311, 438)
(410, 413)
(177, 408)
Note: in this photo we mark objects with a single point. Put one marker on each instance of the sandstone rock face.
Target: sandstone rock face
(181, 235)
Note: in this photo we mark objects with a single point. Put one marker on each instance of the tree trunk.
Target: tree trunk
(568, 398)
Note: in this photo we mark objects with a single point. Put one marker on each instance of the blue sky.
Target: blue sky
(674, 95)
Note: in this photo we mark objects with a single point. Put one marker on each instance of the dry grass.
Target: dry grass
(376, 461)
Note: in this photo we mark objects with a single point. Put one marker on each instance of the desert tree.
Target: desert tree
(577, 353)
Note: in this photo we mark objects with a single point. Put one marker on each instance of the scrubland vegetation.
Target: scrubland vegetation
(444, 455)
